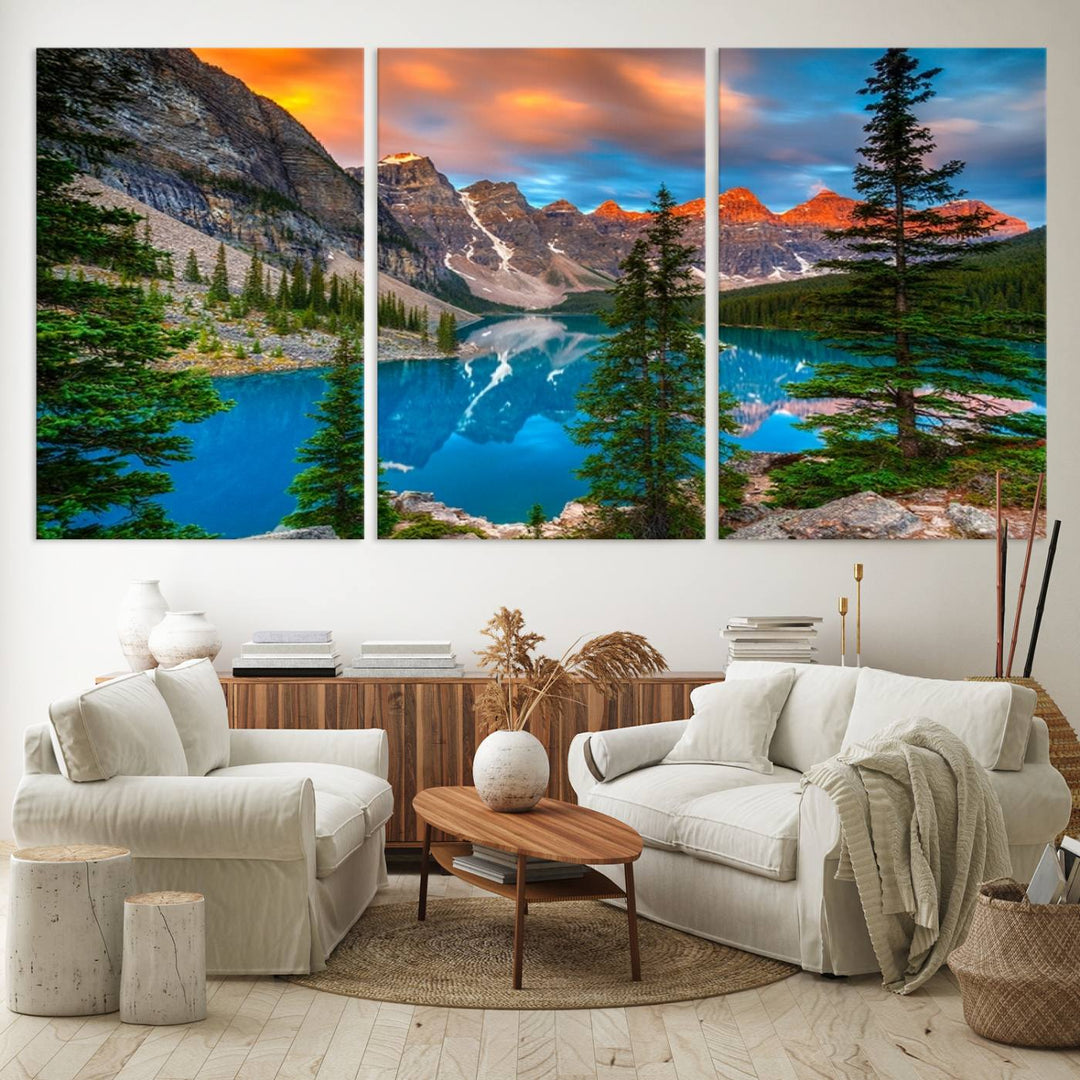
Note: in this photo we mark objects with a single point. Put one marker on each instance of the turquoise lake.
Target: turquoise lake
(486, 433)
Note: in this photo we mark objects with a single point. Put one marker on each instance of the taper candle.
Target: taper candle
(858, 614)
(841, 606)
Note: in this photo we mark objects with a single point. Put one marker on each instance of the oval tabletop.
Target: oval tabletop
(553, 830)
(64, 853)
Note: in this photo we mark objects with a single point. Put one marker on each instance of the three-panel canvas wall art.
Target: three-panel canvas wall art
(543, 278)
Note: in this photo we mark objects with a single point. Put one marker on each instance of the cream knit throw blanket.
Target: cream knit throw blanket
(921, 829)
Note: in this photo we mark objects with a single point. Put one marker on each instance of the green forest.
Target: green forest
(1007, 278)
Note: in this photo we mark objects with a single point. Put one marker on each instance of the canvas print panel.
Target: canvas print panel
(200, 299)
(541, 252)
(882, 291)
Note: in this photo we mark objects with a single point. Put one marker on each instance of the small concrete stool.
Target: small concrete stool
(164, 980)
(65, 928)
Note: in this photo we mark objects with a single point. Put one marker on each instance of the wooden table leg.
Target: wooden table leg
(519, 921)
(631, 916)
(425, 858)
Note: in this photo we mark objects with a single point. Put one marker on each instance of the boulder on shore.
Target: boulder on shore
(866, 516)
(971, 522)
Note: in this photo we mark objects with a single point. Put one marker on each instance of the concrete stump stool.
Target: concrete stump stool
(65, 929)
(164, 980)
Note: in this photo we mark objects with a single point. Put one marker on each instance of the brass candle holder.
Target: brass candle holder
(842, 607)
(858, 614)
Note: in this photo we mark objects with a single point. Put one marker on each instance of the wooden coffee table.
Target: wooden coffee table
(551, 830)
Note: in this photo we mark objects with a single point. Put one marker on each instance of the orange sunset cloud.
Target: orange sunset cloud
(582, 124)
(322, 88)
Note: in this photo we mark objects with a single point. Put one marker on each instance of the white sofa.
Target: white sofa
(284, 835)
(744, 858)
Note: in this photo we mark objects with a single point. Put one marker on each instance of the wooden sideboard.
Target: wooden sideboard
(431, 725)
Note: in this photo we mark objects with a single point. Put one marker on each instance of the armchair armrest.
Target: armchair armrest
(366, 749)
(1038, 747)
(172, 817)
(602, 755)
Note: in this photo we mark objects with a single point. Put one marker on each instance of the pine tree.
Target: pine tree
(446, 334)
(253, 295)
(105, 410)
(535, 520)
(643, 408)
(317, 288)
(191, 268)
(298, 290)
(924, 362)
(219, 279)
(330, 491)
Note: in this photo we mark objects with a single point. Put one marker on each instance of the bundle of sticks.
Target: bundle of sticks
(1001, 667)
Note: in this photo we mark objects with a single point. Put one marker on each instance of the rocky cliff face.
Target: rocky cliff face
(206, 150)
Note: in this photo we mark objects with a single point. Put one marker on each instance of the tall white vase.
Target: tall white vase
(142, 609)
(184, 635)
(510, 771)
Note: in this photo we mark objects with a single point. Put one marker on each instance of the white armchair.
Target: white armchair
(286, 842)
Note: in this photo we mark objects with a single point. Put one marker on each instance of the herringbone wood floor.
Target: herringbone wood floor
(804, 1028)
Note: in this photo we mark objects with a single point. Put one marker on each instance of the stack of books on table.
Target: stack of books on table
(787, 639)
(501, 866)
(405, 660)
(289, 654)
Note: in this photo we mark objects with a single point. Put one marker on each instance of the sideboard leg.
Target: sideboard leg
(425, 858)
(631, 917)
(519, 921)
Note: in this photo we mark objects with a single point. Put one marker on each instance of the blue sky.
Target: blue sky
(791, 120)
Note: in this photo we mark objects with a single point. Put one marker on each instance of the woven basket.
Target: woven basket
(1019, 969)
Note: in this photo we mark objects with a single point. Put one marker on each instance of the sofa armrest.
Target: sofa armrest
(366, 749)
(1038, 747)
(171, 817)
(596, 756)
(38, 753)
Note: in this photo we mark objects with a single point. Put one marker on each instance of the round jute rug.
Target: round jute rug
(576, 957)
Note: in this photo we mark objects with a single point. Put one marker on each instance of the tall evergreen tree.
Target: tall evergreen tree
(446, 334)
(253, 295)
(298, 290)
(218, 292)
(330, 491)
(106, 412)
(644, 406)
(191, 269)
(925, 365)
(317, 288)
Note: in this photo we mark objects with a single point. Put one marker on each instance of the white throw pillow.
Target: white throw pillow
(121, 728)
(992, 719)
(733, 722)
(812, 722)
(193, 693)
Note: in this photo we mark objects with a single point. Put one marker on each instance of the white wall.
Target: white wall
(928, 606)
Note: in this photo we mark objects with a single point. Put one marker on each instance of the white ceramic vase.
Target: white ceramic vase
(142, 609)
(510, 771)
(184, 635)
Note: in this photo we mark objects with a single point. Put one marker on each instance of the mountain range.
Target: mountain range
(209, 152)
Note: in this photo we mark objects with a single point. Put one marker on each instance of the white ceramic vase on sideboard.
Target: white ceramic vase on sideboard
(510, 771)
(142, 609)
(184, 635)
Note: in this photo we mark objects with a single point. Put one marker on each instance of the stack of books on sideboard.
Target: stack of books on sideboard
(289, 654)
(405, 660)
(788, 639)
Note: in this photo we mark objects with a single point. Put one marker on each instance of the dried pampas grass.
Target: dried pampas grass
(526, 684)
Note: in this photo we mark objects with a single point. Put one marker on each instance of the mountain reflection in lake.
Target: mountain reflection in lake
(487, 433)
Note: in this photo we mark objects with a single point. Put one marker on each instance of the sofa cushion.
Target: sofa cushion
(811, 725)
(366, 792)
(992, 719)
(654, 800)
(733, 722)
(119, 728)
(751, 828)
(193, 693)
(340, 828)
